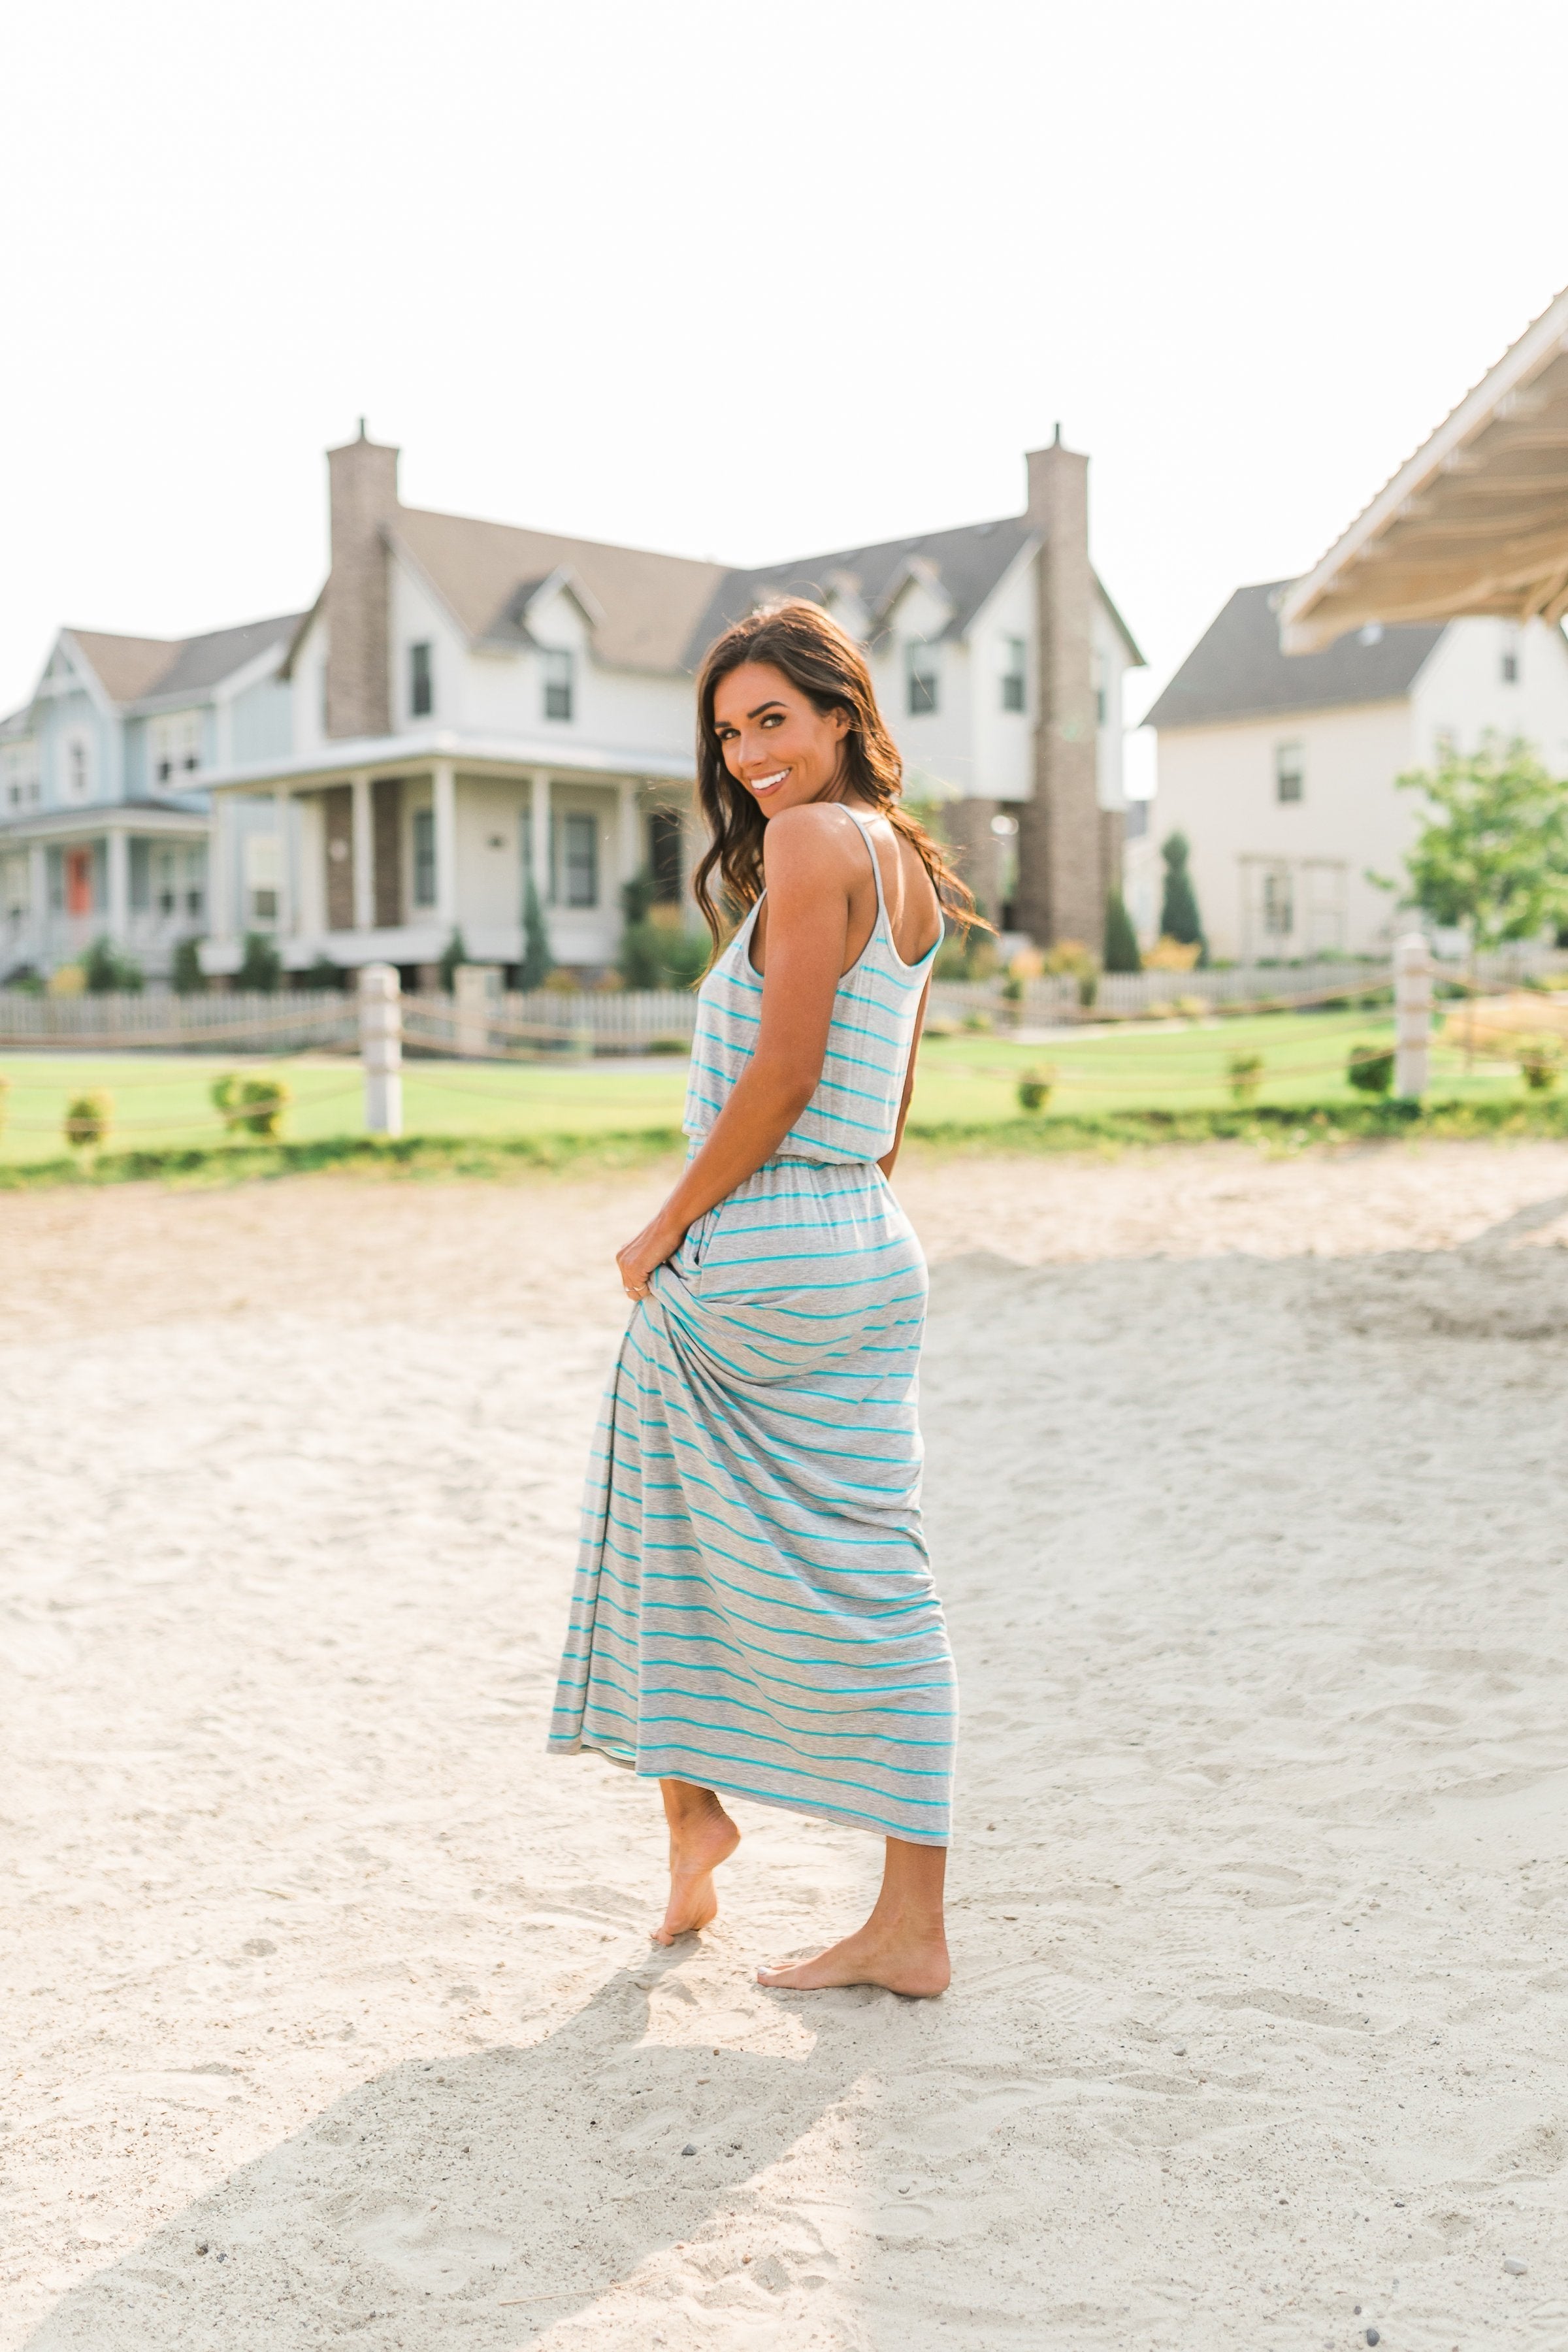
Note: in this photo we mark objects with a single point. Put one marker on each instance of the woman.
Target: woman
(754, 1611)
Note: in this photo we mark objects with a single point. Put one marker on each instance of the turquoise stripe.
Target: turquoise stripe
(752, 1565)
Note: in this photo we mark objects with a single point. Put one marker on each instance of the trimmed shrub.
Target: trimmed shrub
(261, 967)
(537, 958)
(106, 972)
(1121, 940)
(1243, 1074)
(88, 1121)
(1179, 917)
(1540, 1062)
(250, 1106)
(1370, 1068)
(452, 955)
(185, 974)
(1035, 1088)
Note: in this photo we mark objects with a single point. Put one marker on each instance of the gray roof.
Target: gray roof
(137, 669)
(203, 661)
(482, 570)
(1236, 669)
(967, 563)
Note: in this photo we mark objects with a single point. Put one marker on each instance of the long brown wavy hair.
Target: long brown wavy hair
(821, 661)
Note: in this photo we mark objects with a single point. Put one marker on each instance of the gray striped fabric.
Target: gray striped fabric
(754, 1608)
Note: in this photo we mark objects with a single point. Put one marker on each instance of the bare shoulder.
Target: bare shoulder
(816, 842)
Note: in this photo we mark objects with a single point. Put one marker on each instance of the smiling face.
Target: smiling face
(776, 743)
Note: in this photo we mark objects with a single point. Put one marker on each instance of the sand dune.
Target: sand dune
(329, 2010)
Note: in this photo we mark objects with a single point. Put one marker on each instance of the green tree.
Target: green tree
(261, 967)
(538, 961)
(1492, 857)
(1179, 917)
(1120, 939)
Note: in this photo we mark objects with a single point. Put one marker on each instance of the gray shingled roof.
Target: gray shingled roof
(202, 662)
(649, 601)
(136, 669)
(1236, 670)
(968, 562)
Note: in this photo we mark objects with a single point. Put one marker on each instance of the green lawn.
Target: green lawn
(162, 1100)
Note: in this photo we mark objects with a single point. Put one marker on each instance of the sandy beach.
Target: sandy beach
(329, 2011)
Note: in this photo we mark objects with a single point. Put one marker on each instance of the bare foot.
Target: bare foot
(907, 1960)
(704, 1837)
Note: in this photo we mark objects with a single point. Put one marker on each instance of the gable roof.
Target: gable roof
(651, 604)
(966, 564)
(1238, 668)
(133, 670)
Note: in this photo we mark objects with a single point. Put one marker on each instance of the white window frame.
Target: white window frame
(922, 678)
(173, 751)
(1290, 769)
(557, 677)
(1015, 679)
(1278, 903)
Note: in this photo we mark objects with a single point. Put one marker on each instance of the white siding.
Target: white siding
(1462, 691)
(1217, 786)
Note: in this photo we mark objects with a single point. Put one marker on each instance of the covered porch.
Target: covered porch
(384, 860)
(135, 875)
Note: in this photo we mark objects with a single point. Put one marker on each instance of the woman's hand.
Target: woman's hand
(657, 1241)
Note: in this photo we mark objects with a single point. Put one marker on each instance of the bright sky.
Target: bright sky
(746, 282)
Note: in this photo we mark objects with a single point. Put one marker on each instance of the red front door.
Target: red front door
(79, 881)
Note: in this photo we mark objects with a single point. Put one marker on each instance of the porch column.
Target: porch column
(445, 785)
(629, 845)
(118, 862)
(363, 867)
(38, 895)
(220, 870)
(281, 818)
(539, 834)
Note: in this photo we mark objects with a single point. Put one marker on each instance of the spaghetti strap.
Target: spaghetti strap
(862, 821)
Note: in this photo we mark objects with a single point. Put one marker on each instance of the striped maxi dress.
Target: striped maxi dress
(753, 1608)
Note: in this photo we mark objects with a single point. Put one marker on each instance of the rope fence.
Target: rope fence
(482, 1029)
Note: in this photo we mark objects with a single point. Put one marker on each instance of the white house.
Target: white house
(1280, 767)
(470, 704)
(104, 821)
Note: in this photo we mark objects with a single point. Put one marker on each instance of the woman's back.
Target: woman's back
(853, 1113)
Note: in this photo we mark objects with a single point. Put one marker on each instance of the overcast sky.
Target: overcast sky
(746, 281)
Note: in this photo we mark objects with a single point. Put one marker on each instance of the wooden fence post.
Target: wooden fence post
(381, 1047)
(1412, 1015)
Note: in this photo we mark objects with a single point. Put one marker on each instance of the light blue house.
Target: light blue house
(103, 815)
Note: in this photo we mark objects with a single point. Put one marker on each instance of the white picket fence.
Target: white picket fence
(613, 1022)
(307, 1021)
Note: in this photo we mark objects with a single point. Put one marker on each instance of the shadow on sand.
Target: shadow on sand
(477, 2198)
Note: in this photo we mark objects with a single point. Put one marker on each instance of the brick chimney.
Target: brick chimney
(1061, 892)
(364, 483)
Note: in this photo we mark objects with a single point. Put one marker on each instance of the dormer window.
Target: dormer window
(79, 782)
(421, 682)
(921, 675)
(1013, 673)
(558, 684)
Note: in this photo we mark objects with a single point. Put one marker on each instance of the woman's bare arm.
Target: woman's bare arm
(809, 866)
(888, 1158)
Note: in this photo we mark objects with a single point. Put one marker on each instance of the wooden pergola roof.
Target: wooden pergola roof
(1476, 521)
